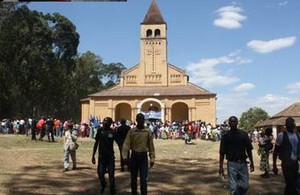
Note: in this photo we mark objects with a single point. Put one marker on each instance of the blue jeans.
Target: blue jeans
(139, 164)
(106, 162)
(238, 177)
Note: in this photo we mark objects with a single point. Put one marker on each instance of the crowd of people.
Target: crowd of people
(236, 146)
(54, 127)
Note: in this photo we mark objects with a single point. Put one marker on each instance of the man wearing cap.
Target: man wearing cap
(140, 141)
(104, 139)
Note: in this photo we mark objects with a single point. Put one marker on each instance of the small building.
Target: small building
(277, 122)
(154, 87)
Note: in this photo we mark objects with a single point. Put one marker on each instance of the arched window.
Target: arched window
(157, 33)
(149, 33)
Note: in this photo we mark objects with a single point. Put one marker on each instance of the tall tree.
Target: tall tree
(251, 117)
(40, 70)
(30, 43)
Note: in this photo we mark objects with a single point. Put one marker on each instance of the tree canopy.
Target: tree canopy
(251, 117)
(41, 71)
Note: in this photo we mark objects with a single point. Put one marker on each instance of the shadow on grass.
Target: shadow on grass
(167, 177)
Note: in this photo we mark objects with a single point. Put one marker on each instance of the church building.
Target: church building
(154, 87)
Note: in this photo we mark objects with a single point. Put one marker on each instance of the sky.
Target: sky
(245, 51)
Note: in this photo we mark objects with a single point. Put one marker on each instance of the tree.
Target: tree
(36, 61)
(251, 117)
(41, 72)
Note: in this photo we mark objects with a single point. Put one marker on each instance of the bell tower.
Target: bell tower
(153, 48)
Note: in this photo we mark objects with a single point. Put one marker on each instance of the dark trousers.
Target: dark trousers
(33, 133)
(50, 131)
(106, 162)
(290, 173)
(42, 133)
(122, 162)
(139, 164)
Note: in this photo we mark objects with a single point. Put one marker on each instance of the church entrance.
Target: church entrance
(180, 112)
(152, 108)
(122, 111)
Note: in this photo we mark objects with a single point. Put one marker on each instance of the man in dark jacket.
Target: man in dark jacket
(287, 147)
(106, 159)
(122, 132)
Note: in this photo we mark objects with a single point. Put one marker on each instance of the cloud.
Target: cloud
(231, 104)
(244, 87)
(229, 17)
(234, 104)
(294, 88)
(271, 100)
(273, 103)
(272, 45)
(205, 72)
(283, 3)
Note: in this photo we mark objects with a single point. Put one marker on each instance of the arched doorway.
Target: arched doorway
(180, 112)
(123, 111)
(152, 108)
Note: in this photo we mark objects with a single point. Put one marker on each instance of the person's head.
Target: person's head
(290, 124)
(233, 121)
(140, 119)
(268, 131)
(107, 121)
(123, 121)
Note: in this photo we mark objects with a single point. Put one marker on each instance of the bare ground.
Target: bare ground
(35, 167)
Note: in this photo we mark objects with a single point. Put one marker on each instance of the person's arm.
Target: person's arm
(275, 155)
(221, 161)
(278, 142)
(126, 146)
(95, 148)
(249, 153)
(151, 149)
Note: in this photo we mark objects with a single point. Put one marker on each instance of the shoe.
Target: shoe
(65, 170)
(73, 168)
(112, 192)
(101, 192)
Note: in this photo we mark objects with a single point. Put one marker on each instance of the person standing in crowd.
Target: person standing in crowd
(41, 128)
(122, 132)
(140, 141)
(235, 144)
(49, 128)
(57, 125)
(33, 128)
(104, 140)
(265, 146)
(287, 147)
(70, 146)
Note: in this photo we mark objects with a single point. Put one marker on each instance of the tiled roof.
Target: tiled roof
(279, 118)
(153, 15)
(189, 90)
